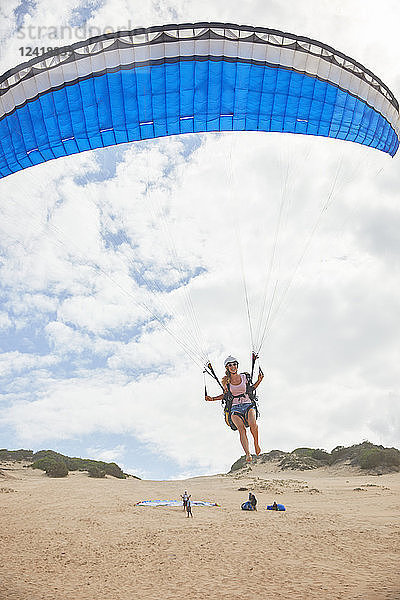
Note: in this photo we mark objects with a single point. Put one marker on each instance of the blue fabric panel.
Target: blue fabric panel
(227, 95)
(200, 87)
(127, 105)
(240, 99)
(52, 129)
(144, 92)
(172, 93)
(214, 96)
(117, 108)
(184, 97)
(27, 132)
(159, 104)
(10, 142)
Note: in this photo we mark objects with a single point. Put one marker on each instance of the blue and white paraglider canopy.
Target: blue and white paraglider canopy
(173, 79)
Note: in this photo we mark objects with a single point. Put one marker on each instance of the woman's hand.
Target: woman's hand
(213, 399)
(260, 378)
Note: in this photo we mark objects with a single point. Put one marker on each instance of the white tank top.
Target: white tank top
(236, 390)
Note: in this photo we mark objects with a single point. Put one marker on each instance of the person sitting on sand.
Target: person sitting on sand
(189, 507)
(253, 500)
(243, 412)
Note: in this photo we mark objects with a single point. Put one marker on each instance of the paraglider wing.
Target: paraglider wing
(175, 79)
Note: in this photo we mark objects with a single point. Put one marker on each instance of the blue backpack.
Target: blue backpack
(247, 506)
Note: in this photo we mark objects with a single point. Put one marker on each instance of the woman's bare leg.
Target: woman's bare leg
(251, 419)
(243, 435)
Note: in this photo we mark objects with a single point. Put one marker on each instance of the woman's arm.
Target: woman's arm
(212, 398)
(224, 385)
(259, 380)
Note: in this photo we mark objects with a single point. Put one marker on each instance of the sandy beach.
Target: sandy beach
(84, 539)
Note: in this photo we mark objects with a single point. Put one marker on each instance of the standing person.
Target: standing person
(185, 497)
(241, 409)
(253, 500)
(189, 508)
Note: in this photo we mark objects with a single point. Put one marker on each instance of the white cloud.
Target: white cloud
(66, 340)
(13, 363)
(107, 454)
(5, 321)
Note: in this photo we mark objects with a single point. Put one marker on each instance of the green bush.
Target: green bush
(96, 472)
(371, 458)
(315, 453)
(301, 463)
(52, 467)
(57, 469)
(320, 454)
(44, 463)
(114, 470)
(302, 451)
(15, 455)
(81, 464)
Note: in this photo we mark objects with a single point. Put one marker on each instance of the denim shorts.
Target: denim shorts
(241, 409)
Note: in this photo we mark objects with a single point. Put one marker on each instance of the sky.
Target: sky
(93, 246)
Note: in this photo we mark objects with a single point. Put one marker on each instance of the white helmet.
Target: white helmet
(230, 359)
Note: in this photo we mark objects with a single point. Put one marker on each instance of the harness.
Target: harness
(228, 399)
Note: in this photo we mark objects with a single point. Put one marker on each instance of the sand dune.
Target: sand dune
(83, 539)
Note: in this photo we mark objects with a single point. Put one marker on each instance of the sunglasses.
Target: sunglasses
(235, 364)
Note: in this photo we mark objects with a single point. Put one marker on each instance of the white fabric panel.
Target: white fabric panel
(141, 54)
(84, 66)
(202, 47)
(313, 64)
(127, 55)
(334, 74)
(244, 50)
(324, 69)
(230, 48)
(216, 48)
(102, 61)
(112, 61)
(29, 88)
(287, 57)
(98, 61)
(156, 52)
(376, 99)
(273, 54)
(69, 70)
(346, 79)
(8, 102)
(363, 89)
(42, 81)
(56, 76)
(300, 61)
(17, 95)
(172, 49)
(259, 52)
(187, 48)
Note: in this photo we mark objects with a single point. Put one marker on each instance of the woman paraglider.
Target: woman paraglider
(240, 407)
